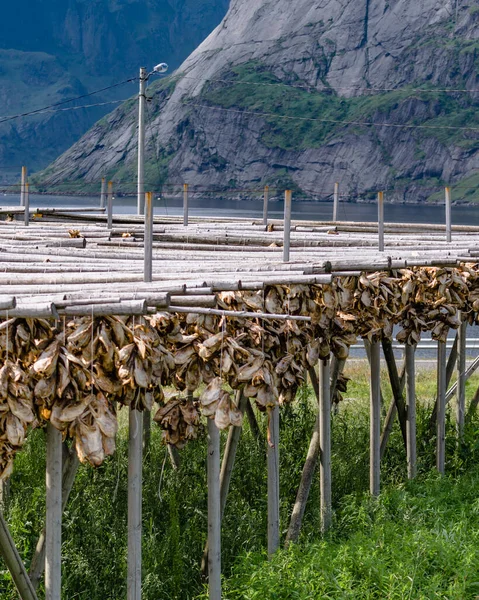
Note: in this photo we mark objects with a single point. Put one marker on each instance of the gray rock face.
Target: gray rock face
(349, 49)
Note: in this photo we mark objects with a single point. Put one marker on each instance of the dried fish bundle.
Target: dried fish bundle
(341, 388)
(94, 431)
(16, 413)
(432, 298)
(179, 420)
(24, 338)
(216, 403)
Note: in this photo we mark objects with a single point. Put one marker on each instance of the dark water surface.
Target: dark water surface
(322, 211)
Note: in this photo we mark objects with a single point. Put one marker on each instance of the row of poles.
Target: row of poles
(106, 202)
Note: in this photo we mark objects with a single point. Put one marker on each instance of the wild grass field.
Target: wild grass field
(419, 540)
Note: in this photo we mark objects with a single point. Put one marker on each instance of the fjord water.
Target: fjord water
(228, 207)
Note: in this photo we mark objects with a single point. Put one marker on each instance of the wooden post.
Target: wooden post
(448, 214)
(381, 221)
(411, 410)
(110, 205)
(325, 444)
(27, 204)
(265, 205)
(148, 238)
(53, 550)
(135, 463)
(103, 193)
(336, 202)
(227, 464)
(441, 408)
(22, 188)
(185, 205)
(273, 480)
(4, 493)
(461, 380)
(375, 420)
(214, 512)
(70, 468)
(287, 225)
(14, 564)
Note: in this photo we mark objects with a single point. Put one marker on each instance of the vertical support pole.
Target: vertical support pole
(461, 380)
(381, 221)
(53, 544)
(141, 141)
(135, 462)
(109, 211)
(214, 512)
(148, 238)
(441, 408)
(273, 480)
(375, 420)
(336, 202)
(411, 411)
(265, 205)
(448, 214)
(325, 444)
(287, 225)
(103, 193)
(14, 564)
(27, 204)
(185, 205)
(22, 188)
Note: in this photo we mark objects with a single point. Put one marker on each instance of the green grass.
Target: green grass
(372, 546)
(418, 541)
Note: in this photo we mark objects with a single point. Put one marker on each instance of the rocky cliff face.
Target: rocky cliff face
(349, 69)
(59, 49)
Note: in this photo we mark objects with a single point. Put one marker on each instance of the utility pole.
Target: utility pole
(144, 76)
(141, 141)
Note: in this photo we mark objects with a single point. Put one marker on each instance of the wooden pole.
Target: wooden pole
(451, 363)
(448, 214)
(375, 422)
(53, 556)
(273, 480)
(148, 239)
(441, 408)
(135, 463)
(381, 221)
(185, 205)
(397, 385)
(461, 380)
(70, 468)
(110, 205)
(287, 225)
(22, 188)
(214, 512)
(27, 205)
(265, 205)
(14, 564)
(103, 193)
(411, 410)
(336, 202)
(325, 444)
(227, 464)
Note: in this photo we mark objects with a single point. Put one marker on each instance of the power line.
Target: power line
(53, 106)
(335, 121)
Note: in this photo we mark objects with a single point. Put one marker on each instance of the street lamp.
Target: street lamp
(144, 76)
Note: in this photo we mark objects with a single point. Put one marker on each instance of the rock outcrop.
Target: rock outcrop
(307, 93)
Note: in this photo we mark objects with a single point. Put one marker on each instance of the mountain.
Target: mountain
(54, 50)
(302, 94)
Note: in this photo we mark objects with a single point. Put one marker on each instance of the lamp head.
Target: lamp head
(161, 68)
